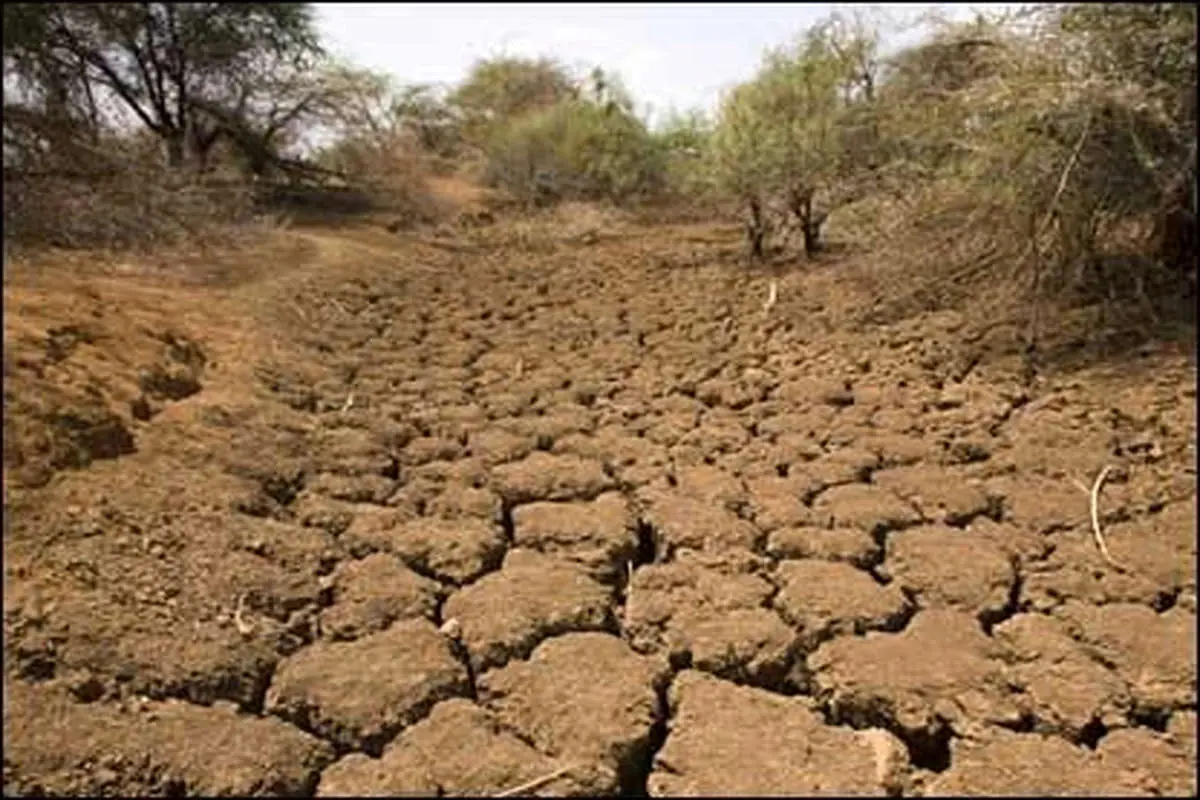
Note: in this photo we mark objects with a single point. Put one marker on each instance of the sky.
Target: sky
(669, 55)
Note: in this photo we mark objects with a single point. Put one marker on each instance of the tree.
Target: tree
(743, 159)
(423, 109)
(801, 104)
(785, 135)
(362, 106)
(590, 146)
(164, 63)
(49, 104)
(686, 132)
(853, 41)
(498, 90)
(261, 114)
(362, 123)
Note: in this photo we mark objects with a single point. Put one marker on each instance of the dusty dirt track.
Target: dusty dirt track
(384, 517)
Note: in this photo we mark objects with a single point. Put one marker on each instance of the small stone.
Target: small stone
(451, 629)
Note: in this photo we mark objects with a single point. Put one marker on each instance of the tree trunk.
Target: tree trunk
(756, 230)
(812, 236)
(801, 204)
(202, 141)
(1176, 226)
(176, 149)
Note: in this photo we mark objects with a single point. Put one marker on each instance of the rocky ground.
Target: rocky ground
(371, 514)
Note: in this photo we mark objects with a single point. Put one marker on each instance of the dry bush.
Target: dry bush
(388, 175)
(400, 187)
(123, 202)
(676, 209)
(1034, 179)
(543, 230)
(576, 220)
(472, 166)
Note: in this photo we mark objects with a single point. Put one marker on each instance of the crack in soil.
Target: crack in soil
(423, 380)
(635, 769)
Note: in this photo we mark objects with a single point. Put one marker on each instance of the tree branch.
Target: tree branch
(177, 63)
(151, 79)
(111, 79)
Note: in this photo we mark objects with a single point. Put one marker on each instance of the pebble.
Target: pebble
(451, 629)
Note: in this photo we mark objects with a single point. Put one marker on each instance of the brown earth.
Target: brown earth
(355, 512)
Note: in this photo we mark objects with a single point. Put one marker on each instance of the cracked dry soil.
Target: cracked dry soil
(384, 518)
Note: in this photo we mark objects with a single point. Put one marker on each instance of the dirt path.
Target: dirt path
(400, 516)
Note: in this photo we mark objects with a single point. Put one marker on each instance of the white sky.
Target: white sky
(668, 55)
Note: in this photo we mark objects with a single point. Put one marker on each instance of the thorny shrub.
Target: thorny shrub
(118, 202)
(1038, 159)
(389, 174)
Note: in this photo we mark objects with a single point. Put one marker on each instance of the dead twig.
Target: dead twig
(536, 783)
(299, 311)
(452, 247)
(772, 296)
(1097, 533)
(1039, 230)
(349, 403)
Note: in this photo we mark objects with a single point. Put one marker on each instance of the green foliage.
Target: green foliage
(798, 98)
(575, 149)
(793, 135)
(687, 132)
(499, 90)
(742, 157)
(685, 141)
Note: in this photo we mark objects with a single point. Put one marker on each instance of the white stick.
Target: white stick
(536, 783)
(772, 295)
(1096, 531)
